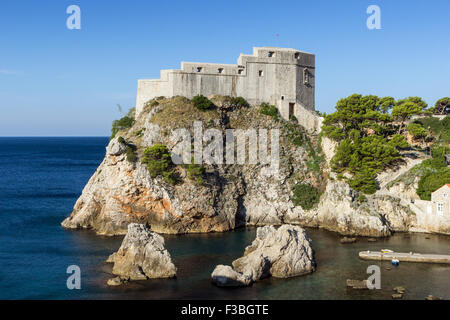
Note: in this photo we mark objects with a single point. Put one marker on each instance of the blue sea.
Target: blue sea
(40, 180)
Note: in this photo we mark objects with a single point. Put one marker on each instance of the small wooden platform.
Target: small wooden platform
(405, 257)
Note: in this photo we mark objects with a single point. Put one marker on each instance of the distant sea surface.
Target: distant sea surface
(40, 180)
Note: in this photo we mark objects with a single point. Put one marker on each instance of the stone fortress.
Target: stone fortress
(279, 76)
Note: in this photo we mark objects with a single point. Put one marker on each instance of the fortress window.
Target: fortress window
(220, 70)
(297, 55)
(199, 69)
(282, 97)
(240, 71)
(305, 76)
(260, 73)
(271, 54)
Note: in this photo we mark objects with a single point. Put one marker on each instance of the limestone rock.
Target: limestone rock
(357, 284)
(225, 276)
(116, 281)
(142, 255)
(281, 253)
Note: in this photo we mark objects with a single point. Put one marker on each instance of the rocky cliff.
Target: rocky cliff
(122, 191)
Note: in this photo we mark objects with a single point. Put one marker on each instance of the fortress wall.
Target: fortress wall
(272, 75)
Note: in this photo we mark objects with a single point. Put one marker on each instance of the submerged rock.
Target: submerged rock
(345, 240)
(225, 276)
(281, 253)
(142, 256)
(357, 284)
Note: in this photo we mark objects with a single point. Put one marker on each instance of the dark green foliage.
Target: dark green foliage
(240, 102)
(436, 174)
(269, 110)
(439, 128)
(140, 132)
(417, 130)
(305, 196)
(362, 198)
(195, 172)
(123, 123)
(367, 144)
(295, 134)
(131, 153)
(431, 181)
(159, 163)
(202, 103)
(293, 118)
(364, 181)
(154, 103)
(121, 140)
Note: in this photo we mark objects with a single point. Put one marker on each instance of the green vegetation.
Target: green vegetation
(417, 130)
(439, 128)
(159, 163)
(240, 102)
(365, 131)
(195, 172)
(123, 123)
(131, 153)
(305, 196)
(202, 103)
(269, 110)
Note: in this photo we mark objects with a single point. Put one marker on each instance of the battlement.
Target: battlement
(280, 76)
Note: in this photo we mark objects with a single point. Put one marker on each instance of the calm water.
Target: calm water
(40, 180)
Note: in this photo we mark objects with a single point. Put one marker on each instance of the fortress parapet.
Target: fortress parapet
(279, 76)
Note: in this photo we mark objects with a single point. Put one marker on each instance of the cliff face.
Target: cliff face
(122, 191)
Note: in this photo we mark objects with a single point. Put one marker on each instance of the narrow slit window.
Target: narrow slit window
(260, 73)
(297, 55)
(220, 70)
(199, 69)
(240, 71)
(305, 76)
(271, 54)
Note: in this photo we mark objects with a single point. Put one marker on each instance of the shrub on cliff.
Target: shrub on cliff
(269, 110)
(195, 172)
(159, 163)
(305, 196)
(202, 103)
(240, 102)
(123, 123)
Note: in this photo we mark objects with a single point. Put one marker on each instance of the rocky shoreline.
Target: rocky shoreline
(121, 191)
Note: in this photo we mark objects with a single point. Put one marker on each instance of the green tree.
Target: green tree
(159, 163)
(404, 111)
(202, 103)
(417, 130)
(305, 195)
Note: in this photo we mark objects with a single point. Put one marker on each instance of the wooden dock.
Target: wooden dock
(405, 257)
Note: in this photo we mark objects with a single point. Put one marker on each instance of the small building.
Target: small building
(440, 200)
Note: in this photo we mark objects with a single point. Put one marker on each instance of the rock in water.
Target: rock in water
(225, 276)
(282, 253)
(142, 255)
(345, 240)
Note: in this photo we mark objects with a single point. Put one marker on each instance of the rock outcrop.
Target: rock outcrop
(282, 253)
(122, 192)
(141, 256)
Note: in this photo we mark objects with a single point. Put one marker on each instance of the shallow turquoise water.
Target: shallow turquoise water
(41, 179)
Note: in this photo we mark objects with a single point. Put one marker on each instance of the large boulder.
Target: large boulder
(281, 253)
(225, 276)
(142, 255)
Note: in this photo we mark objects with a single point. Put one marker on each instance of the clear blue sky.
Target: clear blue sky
(55, 81)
